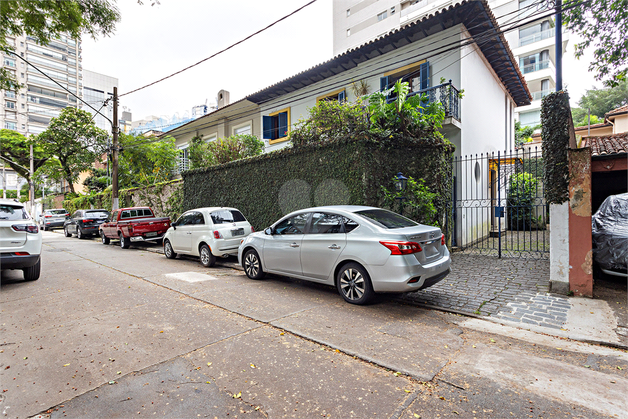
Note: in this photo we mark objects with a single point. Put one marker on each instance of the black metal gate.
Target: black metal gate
(499, 206)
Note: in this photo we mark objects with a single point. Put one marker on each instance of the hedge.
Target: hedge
(269, 186)
(556, 123)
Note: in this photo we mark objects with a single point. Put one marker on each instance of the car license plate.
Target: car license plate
(237, 232)
(151, 234)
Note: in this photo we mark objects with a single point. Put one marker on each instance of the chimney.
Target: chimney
(223, 98)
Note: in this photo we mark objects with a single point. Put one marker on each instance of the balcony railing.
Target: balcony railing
(536, 37)
(540, 94)
(530, 68)
(446, 94)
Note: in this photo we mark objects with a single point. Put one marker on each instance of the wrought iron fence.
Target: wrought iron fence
(499, 206)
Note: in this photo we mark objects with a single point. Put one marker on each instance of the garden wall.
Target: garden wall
(269, 186)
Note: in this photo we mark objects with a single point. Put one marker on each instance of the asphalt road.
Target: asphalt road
(111, 332)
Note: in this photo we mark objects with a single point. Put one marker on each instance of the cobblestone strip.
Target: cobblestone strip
(485, 284)
(541, 309)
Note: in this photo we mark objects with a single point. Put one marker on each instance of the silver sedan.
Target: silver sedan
(360, 250)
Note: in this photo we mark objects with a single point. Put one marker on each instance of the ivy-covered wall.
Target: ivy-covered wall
(269, 186)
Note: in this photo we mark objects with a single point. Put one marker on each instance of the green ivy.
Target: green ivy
(415, 202)
(344, 171)
(555, 122)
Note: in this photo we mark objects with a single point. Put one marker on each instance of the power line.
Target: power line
(480, 38)
(223, 50)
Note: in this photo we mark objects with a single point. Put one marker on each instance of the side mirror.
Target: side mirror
(174, 225)
(268, 231)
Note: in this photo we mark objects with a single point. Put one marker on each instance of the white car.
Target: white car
(207, 233)
(20, 240)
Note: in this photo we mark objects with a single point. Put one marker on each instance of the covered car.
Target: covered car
(610, 235)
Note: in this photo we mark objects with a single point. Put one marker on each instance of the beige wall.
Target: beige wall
(620, 123)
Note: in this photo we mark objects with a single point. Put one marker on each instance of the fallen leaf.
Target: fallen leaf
(119, 372)
(253, 366)
(619, 368)
(161, 331)
(474, 346)
(493, 340)
(237, 396)
(209, 363)
(281, 334)
(408, 391)
(417, 416)
(207, 382)
(587, 366)
(65, 365)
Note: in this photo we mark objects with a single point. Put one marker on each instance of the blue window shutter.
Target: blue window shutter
(425, 75)
(267, 129)
(383, 83)
(341, 96)
(283, 124)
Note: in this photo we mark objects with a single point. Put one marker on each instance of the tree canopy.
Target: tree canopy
(600, 102)
(602, 25)
(15, 150)
(75, 142)
(143, 162)
(46, 20)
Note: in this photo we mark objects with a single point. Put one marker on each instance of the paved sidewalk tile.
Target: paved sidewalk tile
(487, 285)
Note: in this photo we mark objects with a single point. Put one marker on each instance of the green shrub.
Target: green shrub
(521, 203)
(223, 150)
(415, 202)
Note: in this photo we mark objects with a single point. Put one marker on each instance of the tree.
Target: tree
(600, 102)
(602, 24)
(15, 151)
(145, 162)
(224, 150)
(75, 142)
(46, 20)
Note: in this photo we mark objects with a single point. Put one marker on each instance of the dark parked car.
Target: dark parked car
(610, 235)
(85, 223)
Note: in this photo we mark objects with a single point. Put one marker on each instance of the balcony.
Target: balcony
(447, 95)
(530, 68)
(537, 37)
(540, 94)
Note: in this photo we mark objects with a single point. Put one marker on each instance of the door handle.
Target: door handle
(294, 245)
(189, 232)
(334, 247)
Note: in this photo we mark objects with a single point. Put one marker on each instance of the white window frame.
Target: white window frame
(248, 124)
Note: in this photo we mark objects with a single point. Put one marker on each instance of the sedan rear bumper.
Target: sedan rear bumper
(50, 224)
(395, 275)
(12, 261)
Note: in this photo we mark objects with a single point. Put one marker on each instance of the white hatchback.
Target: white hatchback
(20, 240)
(207, 233)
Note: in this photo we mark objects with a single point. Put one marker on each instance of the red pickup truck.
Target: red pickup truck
(132, 225)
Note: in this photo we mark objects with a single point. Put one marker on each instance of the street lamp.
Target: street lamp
(400, 182)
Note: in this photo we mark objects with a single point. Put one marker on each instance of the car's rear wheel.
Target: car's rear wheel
(32, 273)
(79, 233)
(354, 284)
(125, 242)
(252, 265)
(103, 238)
(168, 250)
(66, 232)
(207, 259)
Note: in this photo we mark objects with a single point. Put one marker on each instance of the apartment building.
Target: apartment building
(98, 88)
(29, 109)
(532, 41)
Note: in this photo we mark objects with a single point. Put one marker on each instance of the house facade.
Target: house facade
(438, 55)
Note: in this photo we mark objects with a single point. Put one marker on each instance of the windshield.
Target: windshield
(12, 213)
(386, 219)
(227, 216)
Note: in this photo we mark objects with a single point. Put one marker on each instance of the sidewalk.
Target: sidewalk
(515, 292)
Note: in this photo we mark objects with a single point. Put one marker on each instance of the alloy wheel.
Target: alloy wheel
(352, 284)
(251, 264)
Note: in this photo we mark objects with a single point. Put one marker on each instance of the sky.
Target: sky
(151, 42)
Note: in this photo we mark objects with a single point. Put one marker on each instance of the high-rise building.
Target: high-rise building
(29, 109)
(98, 88)
(356, 22)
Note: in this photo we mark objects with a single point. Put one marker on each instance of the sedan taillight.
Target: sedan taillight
(252, 229)
(47, 216)
(29, 228)
(88, 221)
(401, 247)
(442, 240)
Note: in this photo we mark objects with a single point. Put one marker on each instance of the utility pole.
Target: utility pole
(559, 46)
(114, 174)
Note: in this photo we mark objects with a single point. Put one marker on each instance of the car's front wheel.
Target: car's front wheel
(103, 238)
(66, 232)
(354, 284)
(32, 272)
(252, 265)
(207, 259)
(79, 233)
(168, 250)
(125, 242)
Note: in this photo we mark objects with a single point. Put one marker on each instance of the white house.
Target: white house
(462, 44)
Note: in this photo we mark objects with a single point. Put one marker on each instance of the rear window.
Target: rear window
(57, 212)
(12, 213)
(142, 212)
(97, 214)
(227, 216)
(386, 219)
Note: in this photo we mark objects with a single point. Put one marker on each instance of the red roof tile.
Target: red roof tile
(608, 145)
(621, 109)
